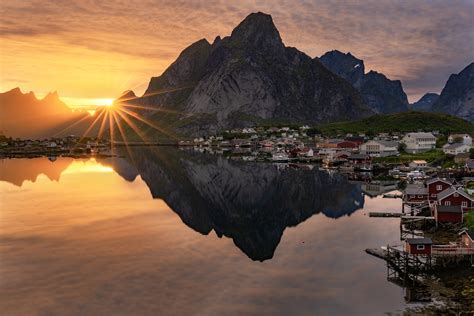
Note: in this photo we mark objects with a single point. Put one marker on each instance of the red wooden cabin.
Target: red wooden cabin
(418, 246)
(437, 185)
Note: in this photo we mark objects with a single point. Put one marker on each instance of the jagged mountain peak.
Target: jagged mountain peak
(457, 96)
(257, 30)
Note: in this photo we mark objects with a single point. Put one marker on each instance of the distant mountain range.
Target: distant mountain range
(457, 96)
(425, 103)
(248, 78)
(25, 116)
(381, 94)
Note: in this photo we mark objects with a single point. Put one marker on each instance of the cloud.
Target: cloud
(419, 42)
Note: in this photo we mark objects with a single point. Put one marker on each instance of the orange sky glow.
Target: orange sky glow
(92, 51)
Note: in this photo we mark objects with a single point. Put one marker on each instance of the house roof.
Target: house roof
(419, 241)
(444, 194)
(388, 143)
(419, 161)
(433, 180)
(449, 208)
(414, 189)
(455, 146)
(420, 135)
(470, 164)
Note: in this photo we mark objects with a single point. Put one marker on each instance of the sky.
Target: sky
(90, 51)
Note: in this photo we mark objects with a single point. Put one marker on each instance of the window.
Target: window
(464, 204)
(420, 247)
(439, 187)
(433, 195)
(447, 203)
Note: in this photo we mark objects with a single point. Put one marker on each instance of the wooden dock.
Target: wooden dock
(385, 214)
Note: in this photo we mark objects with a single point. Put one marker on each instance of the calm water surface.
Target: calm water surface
(165, 232)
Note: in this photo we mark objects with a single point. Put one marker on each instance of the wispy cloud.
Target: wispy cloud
(419, 42)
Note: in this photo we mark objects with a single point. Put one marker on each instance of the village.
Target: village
(71, 146)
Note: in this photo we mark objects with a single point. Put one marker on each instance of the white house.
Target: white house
(419, 142)
(466, 139)
(379, 148)
(456, 148)
(418, 164)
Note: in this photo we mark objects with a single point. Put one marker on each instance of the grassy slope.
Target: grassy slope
(402, 122)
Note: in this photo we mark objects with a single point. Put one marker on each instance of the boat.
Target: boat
(280, 157)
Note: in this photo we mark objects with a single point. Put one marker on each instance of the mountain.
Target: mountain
(425, 104)
(25, 116)
(248, 78)
(402, 122)
(381, 94)
(457, 96)
(251, 203)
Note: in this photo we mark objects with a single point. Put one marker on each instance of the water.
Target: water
(160, 231)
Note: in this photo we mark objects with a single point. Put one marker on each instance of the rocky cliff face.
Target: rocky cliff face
(381, 94)
(457, 96)
(252, 203)
(425, 103)
(250, 77)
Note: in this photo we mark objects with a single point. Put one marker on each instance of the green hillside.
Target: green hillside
(402, 122)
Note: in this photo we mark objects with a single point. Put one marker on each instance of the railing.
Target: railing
(448, 250)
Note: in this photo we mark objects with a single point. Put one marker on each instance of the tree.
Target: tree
(471, 153)
(402, 147)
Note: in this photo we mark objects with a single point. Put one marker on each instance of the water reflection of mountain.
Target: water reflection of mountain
(252, 203)
(16, 171)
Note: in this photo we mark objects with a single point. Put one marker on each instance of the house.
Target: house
(418, 246)
(419, 142)
(415, 193)
(306, 152)
(467, 238)
(461, 158)
(465, 139)
(454, 149)
(448, 213)
(359, 159)
(346, 144)
(358, 140)
(470, 165)
(455, 196)
(437, 185)
(379, 148)
(418, 164)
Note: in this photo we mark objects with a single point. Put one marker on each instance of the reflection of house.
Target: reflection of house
(465, 139)
(418, 246)
(419, 142)
(379, 148)
(454, 149)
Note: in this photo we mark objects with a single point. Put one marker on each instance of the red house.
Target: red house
(415, 193)
(467, 238)
(437, 185)
(359, 159)
(346, 144)
(448, 213)
(455, 196)
(418, 246)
